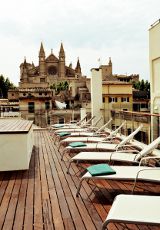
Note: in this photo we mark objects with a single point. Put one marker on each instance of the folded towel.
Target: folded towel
(62, 134)
(77, 144)
(100, 169)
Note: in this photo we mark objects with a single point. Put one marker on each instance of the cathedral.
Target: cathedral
(51, 81)
(50, 69)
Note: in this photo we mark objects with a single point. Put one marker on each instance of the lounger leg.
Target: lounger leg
(56, 138)
(79, 187)
(59, 147)
(64, 151)
(69, 166)
(104, 226)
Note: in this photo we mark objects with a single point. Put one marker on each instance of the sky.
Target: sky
(89, 29)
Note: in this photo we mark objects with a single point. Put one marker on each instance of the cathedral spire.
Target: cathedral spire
(25, 62)
(62, 62)
(78, 67)
(42, 64)
(61, 52)
(41, 51)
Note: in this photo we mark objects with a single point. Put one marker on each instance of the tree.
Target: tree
(61, 86)
(143, 86)
(5, 85)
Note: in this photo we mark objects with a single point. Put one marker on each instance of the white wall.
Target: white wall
(154, 60)
(96, 94)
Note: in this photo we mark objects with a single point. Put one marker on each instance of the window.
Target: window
(124, 99)
(12, 94)
(40, 94)
(103, 99)
(42, 80)
(52, 70)
(112, 99)
(47, 105)
(31, 107)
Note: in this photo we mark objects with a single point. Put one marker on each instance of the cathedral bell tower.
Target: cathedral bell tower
(61, 62)
(42, 63)
(78, 69)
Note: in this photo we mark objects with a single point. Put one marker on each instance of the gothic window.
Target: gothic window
(52, 70)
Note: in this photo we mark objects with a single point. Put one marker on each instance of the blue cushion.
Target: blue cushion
(62, 134)
(77, 144)
(100, 169)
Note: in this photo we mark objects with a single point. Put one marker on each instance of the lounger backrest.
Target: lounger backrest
(149, 148)
(103, 127)
(89, 121)
(115, 131)
(82, 120)
(129, 138)
(97, 121)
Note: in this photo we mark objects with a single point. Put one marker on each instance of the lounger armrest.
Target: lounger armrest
(127, 151)
(141, 171)
(129, 145)
(106, 141)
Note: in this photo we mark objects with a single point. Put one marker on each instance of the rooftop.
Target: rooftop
(43, 197)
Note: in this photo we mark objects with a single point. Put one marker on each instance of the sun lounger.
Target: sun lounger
(120, 156)
(92, 139)
(75, 128)
(72, 126)
(102, 146)
(134, 209)
(129, 173)
(83, 132)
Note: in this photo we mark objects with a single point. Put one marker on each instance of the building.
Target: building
(154, 60)
(40, 86)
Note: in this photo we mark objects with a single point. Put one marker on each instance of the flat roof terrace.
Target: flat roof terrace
(43, 197)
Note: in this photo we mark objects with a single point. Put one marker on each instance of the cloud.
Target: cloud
(89, 30)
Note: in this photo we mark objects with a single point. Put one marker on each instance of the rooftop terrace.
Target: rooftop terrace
(43, 197)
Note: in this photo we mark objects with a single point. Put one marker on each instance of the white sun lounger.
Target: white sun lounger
(58, 128)
(85, 132)
(70, 124)
(126, 173)
(134, 209)
(92, 139)
(75, 128)
(115, 156)
(103, 145)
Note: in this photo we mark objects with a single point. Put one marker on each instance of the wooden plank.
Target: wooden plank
(82, 209)
(47, 216)
(29, 205)
(6, 199)
(56, 212)
(20, 211)
(9, 218)
(62, 202)
(38, 217)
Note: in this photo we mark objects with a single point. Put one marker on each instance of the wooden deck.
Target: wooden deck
(43, 197)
